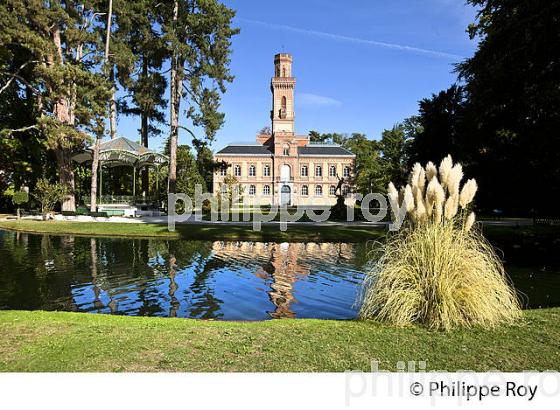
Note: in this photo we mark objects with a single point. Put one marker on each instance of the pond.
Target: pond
(201, 279)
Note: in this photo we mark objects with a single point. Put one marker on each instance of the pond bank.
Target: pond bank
(58, 341)
(201, 231)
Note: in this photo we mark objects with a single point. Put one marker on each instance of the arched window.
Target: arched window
(252, 171)
(224, 189)
(266, 171)
(332, 171)
(318, 171)
(304, 171)
(252, 190)
(266, 190)
(284, 102)
(237, 171)
(223, 171)
(345, 190)
(286, 150)
(284, 72)
(305, 190)
(332, 190)
(318, 190)
(346, 172)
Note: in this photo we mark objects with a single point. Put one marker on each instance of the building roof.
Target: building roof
(122, 151)
(123, 144)
(253, 149)
(321, 150)
(324, 150)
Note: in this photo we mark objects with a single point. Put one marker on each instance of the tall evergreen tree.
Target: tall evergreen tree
(141, 53)
(64, 56)
(514, 100)
(198, 34)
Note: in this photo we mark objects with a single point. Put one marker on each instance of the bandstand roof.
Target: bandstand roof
(122, 151)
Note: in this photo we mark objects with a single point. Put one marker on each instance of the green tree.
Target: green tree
(441, 128)
(514, 102)
(394, 146)
(205, 163)
(368, 172)
(140, 53)
(317, 137)
(198, 34)
(231, 190)
(63, 55)
(49, 194)
(187, 172)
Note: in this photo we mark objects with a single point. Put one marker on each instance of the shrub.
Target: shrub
(19, 198)
(438, 270)
(48, 194)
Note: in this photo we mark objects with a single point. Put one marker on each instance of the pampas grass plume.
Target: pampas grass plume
(469, 222)
(467, 193)
(445, 170)
(454, 180)
(431, 171)
(408, 199)
(451, 207)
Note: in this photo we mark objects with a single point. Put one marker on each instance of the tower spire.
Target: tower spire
(282, 87)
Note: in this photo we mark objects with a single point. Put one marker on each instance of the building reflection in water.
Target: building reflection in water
(199, 279)
(282, 264)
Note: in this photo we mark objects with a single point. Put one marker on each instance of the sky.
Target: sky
(360, 65)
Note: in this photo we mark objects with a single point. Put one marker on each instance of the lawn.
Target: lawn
(229, 231)
(60, 341)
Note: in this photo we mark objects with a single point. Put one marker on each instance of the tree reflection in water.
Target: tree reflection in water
(200, 279)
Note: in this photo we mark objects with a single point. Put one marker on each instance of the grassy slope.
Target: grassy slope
(57, 341)
(200, 231)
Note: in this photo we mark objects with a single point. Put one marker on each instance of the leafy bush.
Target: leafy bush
(438, 270)
(19, 198)
(48, 194)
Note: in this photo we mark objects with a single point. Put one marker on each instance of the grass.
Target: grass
(230, 231)
(440, 275)
(61, 341)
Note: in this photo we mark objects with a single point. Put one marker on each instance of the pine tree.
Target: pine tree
(64, 57)
(141, 53)
(198, 34)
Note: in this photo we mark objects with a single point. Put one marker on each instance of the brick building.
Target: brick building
(282, 167)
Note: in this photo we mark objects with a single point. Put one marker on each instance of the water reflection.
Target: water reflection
(199, 279)
(223, 280)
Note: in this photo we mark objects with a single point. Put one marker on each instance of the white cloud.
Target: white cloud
(314, 100)
(331, 36)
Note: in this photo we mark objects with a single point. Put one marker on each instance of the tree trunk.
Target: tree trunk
(144, 132)
(113, 104)
(174, 107)
(94, 171)
(113, 117)
(62, 152)
(66, 177)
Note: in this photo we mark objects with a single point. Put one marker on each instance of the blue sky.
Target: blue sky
(361, 66)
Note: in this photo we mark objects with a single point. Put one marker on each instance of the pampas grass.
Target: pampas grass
(438, 270)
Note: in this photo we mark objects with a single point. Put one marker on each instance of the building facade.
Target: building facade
(283, 168)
